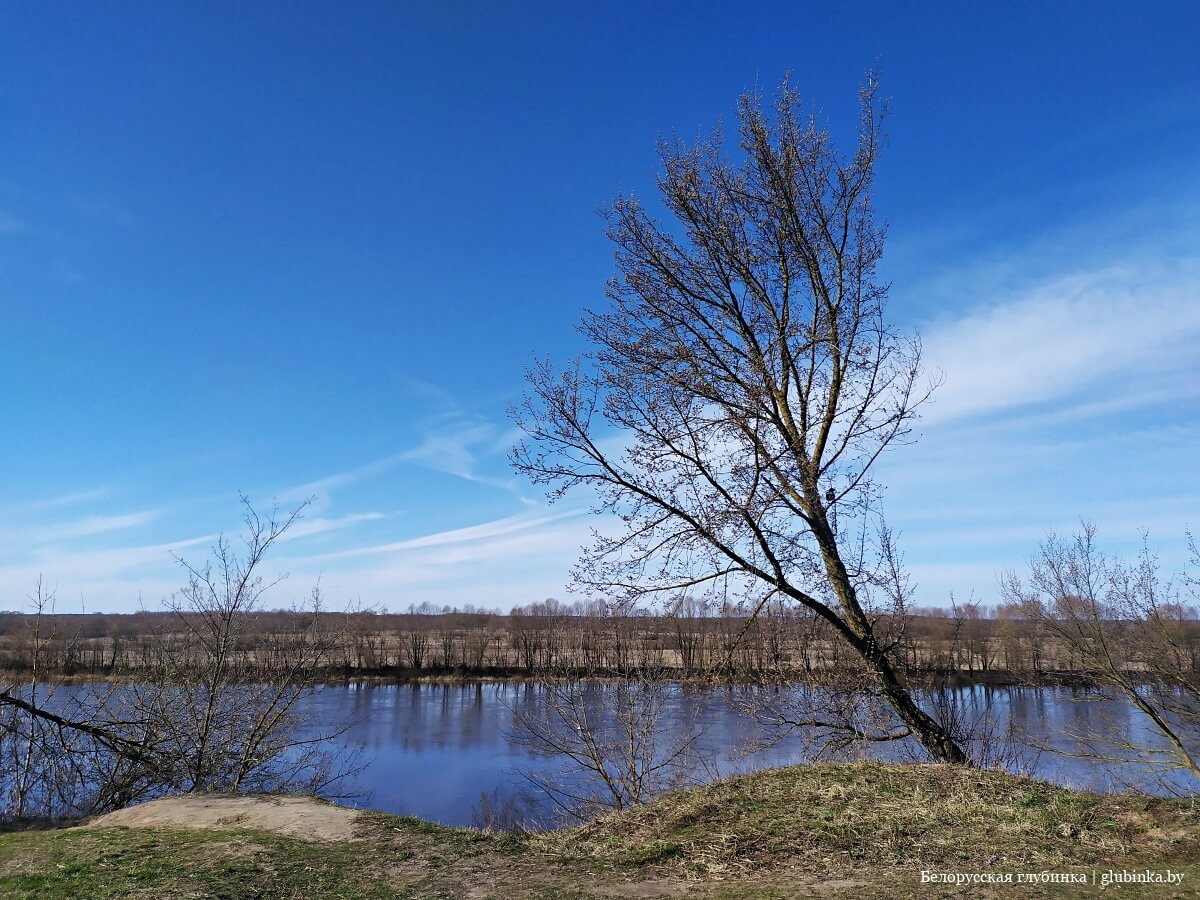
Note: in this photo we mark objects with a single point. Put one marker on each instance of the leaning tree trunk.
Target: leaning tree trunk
(859, 633)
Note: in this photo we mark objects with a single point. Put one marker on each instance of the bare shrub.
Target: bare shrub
(1127, 629)
(195, 718)
(617, 739)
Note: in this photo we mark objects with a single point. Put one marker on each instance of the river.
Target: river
(431, 750)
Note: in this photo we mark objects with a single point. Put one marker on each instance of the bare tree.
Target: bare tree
(1126, 628)
(615, 737)
(743, 383)
(31, 780)
(58, 750)
(215, 706)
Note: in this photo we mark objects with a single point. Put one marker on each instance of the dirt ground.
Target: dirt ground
(297, 817)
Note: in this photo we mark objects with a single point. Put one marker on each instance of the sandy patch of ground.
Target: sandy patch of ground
(297, 817)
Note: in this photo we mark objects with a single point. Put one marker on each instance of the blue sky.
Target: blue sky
(293, 249)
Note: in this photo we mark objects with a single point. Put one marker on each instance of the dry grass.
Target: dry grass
(833, 819)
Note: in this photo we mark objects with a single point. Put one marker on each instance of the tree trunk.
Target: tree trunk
(859, 633)
(932, 735)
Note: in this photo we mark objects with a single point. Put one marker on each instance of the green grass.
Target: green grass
(119, 862)
(862, 830)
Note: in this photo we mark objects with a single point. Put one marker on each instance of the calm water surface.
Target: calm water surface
(431, 750)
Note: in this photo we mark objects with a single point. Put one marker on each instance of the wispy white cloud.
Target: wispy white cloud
(77, 498)
(449, 448)
(1071, 386)
(426, 390)
(323, 525)
(109, 578)
(451, 441)
(461, 446)
(88, 526)
(1108, 339)
(457, 442)
(495, 564)
(120, 577)
(486, 535)
(323, 488)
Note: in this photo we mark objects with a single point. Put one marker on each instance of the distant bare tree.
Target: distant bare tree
(687, 618)
(749, 368)
(417, 644)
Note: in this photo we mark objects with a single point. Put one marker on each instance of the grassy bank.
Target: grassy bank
(862, 830)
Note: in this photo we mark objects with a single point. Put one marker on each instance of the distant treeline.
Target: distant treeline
(696, 640)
